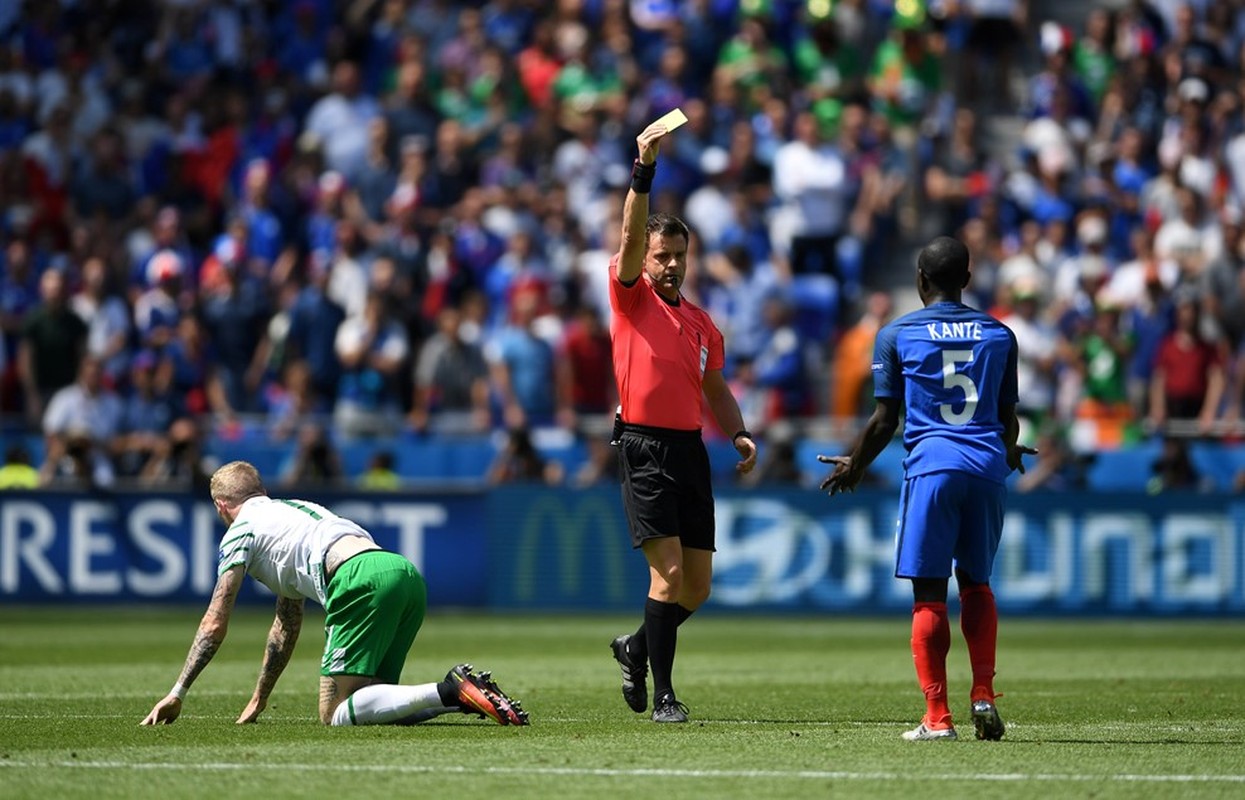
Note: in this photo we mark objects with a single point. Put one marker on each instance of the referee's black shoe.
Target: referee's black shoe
(667, 709)
(634, 675)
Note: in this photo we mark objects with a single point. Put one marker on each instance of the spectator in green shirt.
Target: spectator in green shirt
(825, 65)
(1092, 60)
(905, 77)
(1104, 352)
(751, 59)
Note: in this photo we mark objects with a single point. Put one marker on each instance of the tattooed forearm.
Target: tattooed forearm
(281, 640)
(201, 652)
(290, 615)
(214, 626)
(221, 600)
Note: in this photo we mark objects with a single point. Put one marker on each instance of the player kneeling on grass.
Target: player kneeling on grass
(374, 604)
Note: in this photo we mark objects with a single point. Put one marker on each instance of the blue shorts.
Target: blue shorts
(949, 520)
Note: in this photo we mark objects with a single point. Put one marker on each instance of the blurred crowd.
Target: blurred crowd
(356, 218)
(1114, 247)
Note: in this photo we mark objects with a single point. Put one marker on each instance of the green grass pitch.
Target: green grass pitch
(782, 707)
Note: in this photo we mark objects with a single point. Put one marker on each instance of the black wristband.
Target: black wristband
(642, 177)
(743, 432)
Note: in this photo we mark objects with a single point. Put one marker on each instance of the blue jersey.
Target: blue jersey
(951, 366)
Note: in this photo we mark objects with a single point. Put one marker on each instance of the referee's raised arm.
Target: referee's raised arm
(668, 357)
(635, 207)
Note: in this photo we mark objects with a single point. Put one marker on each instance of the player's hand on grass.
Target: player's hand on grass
(844, 477)
(252, 711)
(1014, 456)
(164, 712)
(747, 450)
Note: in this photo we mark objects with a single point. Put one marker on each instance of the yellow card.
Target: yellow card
(673, 119)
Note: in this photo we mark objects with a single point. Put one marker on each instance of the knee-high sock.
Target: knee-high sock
(979, 621)
(387, 703)
(931, 639)
(425, 715)
(639, 641)
(661, 630)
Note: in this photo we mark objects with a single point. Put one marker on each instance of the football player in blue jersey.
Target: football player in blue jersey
(953, 371)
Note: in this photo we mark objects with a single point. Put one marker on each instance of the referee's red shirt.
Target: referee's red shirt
(661, 352)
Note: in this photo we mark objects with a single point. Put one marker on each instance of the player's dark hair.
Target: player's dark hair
(666, 225)
(944, 263)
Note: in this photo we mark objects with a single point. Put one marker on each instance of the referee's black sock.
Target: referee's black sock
(638, 647)
(661, 629)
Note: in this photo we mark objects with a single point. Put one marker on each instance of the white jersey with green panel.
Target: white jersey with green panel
(282, 544)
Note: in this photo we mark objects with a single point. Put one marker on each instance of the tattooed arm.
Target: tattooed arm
(281, 640)
(212, 629)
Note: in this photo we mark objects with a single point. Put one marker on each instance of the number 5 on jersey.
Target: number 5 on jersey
(952, 379)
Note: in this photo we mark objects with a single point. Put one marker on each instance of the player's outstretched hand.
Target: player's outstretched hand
(1014, 456)
(649, 141)
(252, 711)
(844, 477)
(164, 712)
(747, 450)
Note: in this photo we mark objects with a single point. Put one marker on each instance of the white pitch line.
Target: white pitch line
(1206, 728)
(1009, 777)
(155, 695)
(65, 716)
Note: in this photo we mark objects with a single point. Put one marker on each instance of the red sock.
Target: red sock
(979, 620)
(931, 639)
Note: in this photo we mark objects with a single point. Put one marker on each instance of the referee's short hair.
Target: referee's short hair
(665, 225)
(944, 263)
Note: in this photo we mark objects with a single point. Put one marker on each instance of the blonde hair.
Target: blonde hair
(235, 482)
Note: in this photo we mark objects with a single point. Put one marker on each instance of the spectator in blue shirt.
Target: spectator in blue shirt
(264, 234)
(373, 349)
(314, 320)
(19, 293)
(782, 362)
(157, 311)
(235, 316)
(148, 411)
(523, 366)
(192, 359)
(166, 234)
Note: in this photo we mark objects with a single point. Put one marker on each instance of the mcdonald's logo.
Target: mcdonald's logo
(581, 526)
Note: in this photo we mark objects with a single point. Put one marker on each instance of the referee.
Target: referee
(666, 353)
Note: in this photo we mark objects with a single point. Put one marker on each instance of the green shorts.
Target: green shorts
(375, 605)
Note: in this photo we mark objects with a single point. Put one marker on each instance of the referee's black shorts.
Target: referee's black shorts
(666, 487)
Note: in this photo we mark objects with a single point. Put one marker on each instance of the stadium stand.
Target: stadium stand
(259, 211)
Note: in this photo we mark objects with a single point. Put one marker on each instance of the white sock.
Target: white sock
(385, 703)
(425, 715)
